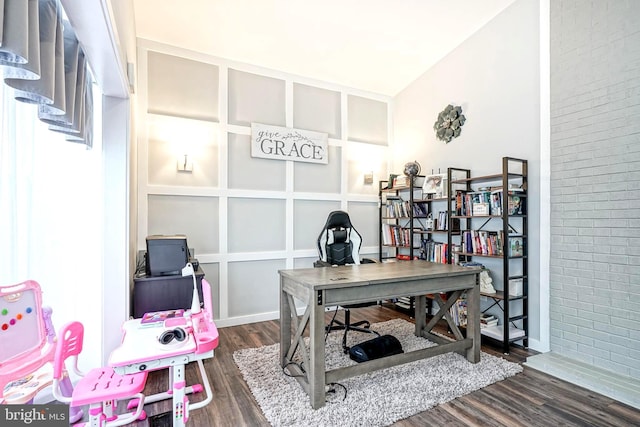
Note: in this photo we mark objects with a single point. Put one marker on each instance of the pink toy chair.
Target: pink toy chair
(100, 388)
(28, 345)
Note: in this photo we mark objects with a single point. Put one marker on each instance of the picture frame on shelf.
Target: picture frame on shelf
(514, 205)
(516, 246)
(436, 184)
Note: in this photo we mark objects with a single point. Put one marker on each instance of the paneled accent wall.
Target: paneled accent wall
(595, 176)
(248, 217)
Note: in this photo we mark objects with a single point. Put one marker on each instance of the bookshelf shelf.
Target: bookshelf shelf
(488, 178)
(495, 231)
(401, 220)
(470, 254)
(497, 333)
(408, 211)
(499, 295)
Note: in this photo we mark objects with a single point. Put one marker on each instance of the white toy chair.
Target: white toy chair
(100, 388)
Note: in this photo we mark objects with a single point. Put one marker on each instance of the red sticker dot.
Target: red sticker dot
(5, 326)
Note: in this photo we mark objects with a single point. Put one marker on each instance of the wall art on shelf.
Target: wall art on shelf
(436, 185)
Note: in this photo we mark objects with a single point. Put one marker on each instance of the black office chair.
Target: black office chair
(339, 244)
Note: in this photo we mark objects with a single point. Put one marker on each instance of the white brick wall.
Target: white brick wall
(595, 182)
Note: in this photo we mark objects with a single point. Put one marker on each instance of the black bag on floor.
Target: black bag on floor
(386, 345)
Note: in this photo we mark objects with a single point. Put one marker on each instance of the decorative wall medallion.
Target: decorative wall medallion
(449, 123)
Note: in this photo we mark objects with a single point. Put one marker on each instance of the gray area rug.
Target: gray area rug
(375, 399)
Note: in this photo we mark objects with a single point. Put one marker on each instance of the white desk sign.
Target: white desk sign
(275, 142)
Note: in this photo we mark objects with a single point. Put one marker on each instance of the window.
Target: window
(51, 208)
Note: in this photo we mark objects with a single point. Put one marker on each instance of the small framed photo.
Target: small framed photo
(515, 205)
(436, 185)
(516, 246)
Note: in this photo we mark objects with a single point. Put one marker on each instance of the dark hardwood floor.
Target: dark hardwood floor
(527, 399)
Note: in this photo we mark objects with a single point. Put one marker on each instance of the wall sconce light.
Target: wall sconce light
(368, 178)
(185, 164)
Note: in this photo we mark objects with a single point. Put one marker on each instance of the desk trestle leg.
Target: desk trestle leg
(297, 341)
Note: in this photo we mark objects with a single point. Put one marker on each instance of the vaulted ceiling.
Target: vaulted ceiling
(375, 45)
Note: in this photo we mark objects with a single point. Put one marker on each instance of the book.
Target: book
(488, 319)
(441, 222)
(401, 181)
(484, 318)
(160, 316)
(458, 312)
(488, 324)
(420, 209)
(459, 203)
(510, 187)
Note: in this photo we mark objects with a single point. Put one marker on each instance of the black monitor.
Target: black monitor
(166, 255)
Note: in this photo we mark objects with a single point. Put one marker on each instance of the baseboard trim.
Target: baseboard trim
(244, 320)
(619, 387)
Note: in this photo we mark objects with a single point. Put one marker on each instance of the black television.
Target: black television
(166, 255)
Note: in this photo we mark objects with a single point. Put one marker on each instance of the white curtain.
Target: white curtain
(51, 215)
(16, 167)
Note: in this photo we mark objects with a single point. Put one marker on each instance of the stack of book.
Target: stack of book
(458, 312)
(404, 302)
(434, 251)
(484, 242)
(487, 320)
(489, 201)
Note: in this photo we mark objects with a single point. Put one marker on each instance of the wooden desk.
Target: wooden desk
(330, 286)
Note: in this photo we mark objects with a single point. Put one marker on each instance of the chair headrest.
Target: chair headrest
(338, 219)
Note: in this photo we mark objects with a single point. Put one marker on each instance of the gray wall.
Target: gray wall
(494, 75)
(595, 176)
(249, 217)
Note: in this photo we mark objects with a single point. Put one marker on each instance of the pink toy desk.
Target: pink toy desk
(140, 350)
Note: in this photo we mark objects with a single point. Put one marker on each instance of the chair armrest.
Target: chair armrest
(320, 263)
